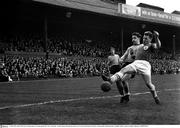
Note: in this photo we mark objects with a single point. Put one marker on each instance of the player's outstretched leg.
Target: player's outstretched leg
(122, 75)
(105, 78)
(147, 79)
(119, 75)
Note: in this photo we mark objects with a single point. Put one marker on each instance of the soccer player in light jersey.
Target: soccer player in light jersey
(128, 57)
(141, 65)
(114, 67)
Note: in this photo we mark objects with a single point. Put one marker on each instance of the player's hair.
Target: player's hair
(148, 33)
(112, 48)
(136, 34)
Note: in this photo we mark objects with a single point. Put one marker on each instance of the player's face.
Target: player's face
(135, 40)
(112, 51)
(146, 39)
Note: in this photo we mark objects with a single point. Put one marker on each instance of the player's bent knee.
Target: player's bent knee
(151, 86)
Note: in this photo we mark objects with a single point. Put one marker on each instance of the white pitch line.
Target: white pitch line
(77, 99)
(58, 79)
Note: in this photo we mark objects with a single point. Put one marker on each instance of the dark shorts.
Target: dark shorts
(4, 79)
(125, 64)
(116, 68)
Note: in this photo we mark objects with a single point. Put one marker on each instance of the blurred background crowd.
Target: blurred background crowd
(75, 58)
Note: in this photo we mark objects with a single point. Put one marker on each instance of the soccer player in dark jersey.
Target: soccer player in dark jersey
(141, 65)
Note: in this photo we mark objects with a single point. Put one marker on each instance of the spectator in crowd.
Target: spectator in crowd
(4, 77)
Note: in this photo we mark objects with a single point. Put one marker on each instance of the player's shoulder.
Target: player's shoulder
(136, 46)
(141, 45)
(150, 45)
(116, 55)
(130, 47)
(109, 56)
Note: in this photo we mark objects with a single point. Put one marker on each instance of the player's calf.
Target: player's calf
(155, 96)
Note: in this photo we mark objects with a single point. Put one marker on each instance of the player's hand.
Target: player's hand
(156, 33)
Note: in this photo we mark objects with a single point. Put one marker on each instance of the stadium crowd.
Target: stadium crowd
(56, 44)
(40, 67)
(82, 58)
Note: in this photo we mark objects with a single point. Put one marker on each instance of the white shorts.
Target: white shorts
(141, 67)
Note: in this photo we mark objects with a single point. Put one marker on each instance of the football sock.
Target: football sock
(115, 78)
(154, 93)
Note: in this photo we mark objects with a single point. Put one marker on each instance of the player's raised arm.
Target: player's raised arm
(157, 43)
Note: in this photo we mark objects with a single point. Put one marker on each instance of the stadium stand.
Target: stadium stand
(114, 1)
(150, 7)
(76, 45)
(176, 12)
(77, 62)
(19, 67)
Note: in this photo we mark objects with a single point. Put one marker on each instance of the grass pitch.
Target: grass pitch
(81, 102)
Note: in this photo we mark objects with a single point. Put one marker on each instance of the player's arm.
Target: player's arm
(124, 56)
(157, 43)
(119, 59)
(108, 62)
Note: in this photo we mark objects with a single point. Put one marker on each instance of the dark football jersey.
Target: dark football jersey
(144, 52)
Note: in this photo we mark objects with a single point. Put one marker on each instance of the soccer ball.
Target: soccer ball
(105, 86)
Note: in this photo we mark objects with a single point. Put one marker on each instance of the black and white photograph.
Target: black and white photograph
(89, 63)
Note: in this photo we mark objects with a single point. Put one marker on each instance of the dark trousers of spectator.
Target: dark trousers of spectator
(4, 78)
